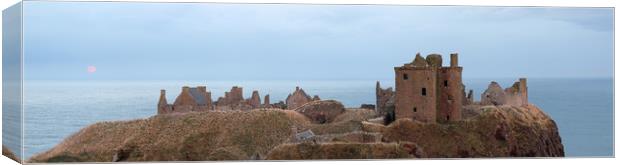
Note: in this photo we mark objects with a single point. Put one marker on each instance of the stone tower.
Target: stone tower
(162, 106)
(451, 89)
(415, 90)
(523, 90)
(427, 91)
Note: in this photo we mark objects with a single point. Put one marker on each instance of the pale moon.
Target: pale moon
(91, 69)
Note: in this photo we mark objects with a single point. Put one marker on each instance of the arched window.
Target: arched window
(423, 91)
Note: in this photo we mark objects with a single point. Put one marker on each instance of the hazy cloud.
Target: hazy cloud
(253, 41)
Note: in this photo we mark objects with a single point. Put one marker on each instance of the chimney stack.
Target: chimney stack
(162, 98)
(523, 90)
(202, 88)
(454, 60)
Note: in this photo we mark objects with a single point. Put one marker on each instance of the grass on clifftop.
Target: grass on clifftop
(179, 137)
(504, 131)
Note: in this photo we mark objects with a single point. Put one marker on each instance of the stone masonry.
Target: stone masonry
(298, 98)
(427, 91)
(199, 99)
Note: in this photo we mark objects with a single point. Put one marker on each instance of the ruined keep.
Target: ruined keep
(427, 91)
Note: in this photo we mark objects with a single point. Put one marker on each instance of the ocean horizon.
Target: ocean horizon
(581, 107)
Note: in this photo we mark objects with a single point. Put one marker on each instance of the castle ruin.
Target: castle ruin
(198, 99)
(427, 91)
(298, 98)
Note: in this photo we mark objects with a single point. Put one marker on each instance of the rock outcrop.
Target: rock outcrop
(504, 131)
(321, 111)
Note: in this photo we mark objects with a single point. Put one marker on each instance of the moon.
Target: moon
(91, 69)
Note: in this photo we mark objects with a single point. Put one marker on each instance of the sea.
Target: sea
(54, 110)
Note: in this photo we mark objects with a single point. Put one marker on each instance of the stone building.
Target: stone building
(298, 98)
(190, 99)
(233, 100)
(199, 99)
(427, 91)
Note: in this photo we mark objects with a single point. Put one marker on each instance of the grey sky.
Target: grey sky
(193, 41)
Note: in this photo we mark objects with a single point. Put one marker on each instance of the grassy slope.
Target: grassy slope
(192, 136)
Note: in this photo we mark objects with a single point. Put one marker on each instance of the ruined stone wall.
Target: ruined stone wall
(233, 100)
(450, 89)
(410, 101)
(493, 95)
(297, 98)
(254, 101)
(185, 98)
(267, 103)
(515, 95)
(207, 97)
(523, 91)
(210, 106)
(383, 96)
(162, 106)
(469, 98)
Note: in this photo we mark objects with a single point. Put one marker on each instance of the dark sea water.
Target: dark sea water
(582, 108)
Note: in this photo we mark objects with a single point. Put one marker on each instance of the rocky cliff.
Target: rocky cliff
(504, 131)
(488, 131)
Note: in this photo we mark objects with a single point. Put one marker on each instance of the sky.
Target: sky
(210, 41)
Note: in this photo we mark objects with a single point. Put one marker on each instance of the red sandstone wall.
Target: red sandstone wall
(297, 99)
(409, 93)
(450, 101)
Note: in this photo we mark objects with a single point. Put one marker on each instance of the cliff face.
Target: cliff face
(505, 131)
(487, 131)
